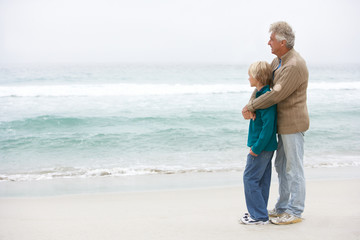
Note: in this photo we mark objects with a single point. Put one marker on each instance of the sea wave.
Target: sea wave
(128, 89)
(334, 86)
(72, 172)
(119, 90)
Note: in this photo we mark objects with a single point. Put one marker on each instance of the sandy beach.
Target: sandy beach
(332, 212)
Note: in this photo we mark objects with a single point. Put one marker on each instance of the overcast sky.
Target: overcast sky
(219, 31)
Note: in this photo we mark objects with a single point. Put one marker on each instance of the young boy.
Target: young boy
(262, 142)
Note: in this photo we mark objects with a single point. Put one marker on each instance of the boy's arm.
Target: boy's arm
(268, 117)
(284, 87)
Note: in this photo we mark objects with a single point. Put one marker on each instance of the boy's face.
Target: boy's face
(253, 81)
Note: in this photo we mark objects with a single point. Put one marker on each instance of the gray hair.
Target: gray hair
(283, 31)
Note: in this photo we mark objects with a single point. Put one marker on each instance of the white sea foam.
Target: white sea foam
(71, 172)
(334, 85)
(48, 174)
(128, 89)
(119, 90)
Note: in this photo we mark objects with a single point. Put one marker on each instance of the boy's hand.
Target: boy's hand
(252, 153)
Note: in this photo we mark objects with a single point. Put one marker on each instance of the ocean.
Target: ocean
(106, 121)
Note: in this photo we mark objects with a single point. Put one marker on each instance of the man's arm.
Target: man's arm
(245, 111)
(284, 87)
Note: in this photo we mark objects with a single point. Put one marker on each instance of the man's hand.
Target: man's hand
(247, 114)
(252, 153)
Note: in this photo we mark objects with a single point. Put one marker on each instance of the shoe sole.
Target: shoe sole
(254, 223)
(286, 223)
(257, 223)
(276, 215)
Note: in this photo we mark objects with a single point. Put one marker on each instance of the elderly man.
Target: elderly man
(290, 81)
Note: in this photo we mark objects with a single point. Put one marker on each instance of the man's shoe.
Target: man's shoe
(286, 219)
(274, 214)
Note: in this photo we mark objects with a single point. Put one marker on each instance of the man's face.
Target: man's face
(275, 45)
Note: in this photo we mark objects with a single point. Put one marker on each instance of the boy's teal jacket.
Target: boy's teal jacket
(262, 131)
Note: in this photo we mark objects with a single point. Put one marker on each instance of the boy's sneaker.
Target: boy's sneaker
(247, 220)
(286, 219)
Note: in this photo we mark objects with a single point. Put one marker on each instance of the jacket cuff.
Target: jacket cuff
(250, 106)
(256, 151)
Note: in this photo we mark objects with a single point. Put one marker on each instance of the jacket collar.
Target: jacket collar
(287, 55)
(263, 90)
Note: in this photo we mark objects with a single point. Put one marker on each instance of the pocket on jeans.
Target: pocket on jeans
(251, 157)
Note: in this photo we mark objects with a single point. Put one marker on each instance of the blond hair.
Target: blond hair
(261, 71)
